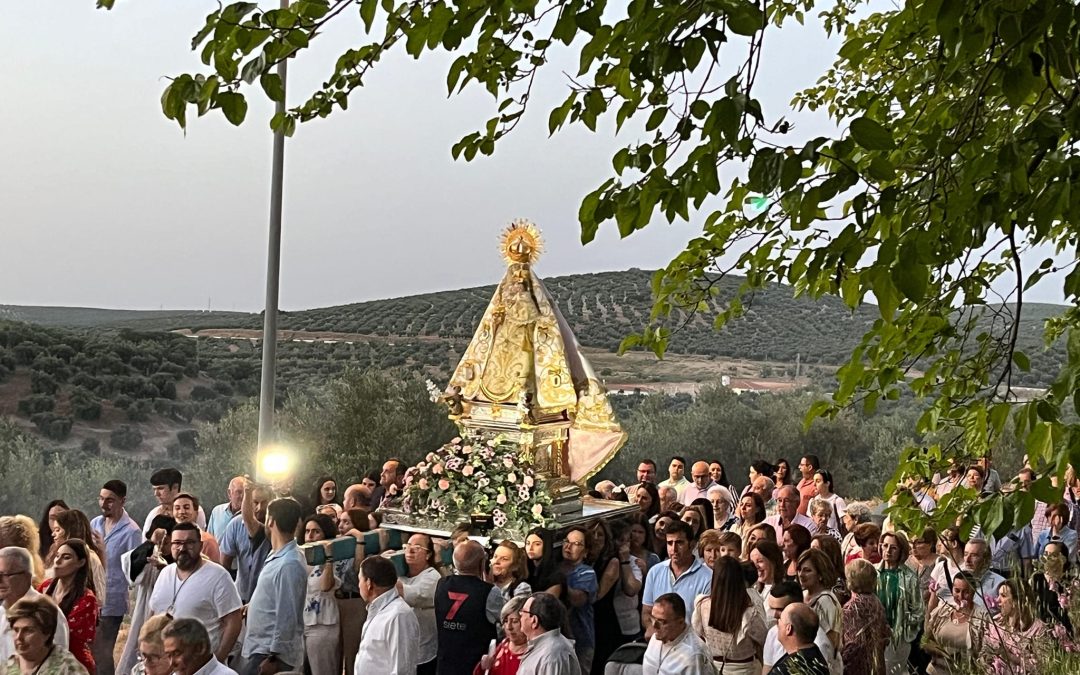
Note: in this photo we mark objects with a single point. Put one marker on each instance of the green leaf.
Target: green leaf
(234, 106)
(1021, 360)
(367, 12)
(871, 135)
(745, 18)
(271, 84)
(908, 275)
(764, 173)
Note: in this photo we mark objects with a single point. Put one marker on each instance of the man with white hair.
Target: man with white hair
(787, 513)
(669, 499)
(15, 584)
(605, 487)
(224, 513)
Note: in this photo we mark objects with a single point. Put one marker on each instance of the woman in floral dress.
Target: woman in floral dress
(865, 630)
(72, 588)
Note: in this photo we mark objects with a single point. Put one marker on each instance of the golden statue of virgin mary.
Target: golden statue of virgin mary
(523, 374)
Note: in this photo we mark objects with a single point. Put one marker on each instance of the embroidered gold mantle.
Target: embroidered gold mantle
(524, 371)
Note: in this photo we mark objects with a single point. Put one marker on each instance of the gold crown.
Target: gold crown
(521, 243)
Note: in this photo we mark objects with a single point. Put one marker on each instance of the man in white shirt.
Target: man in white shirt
(787, 513)
(676, 476)
(702, 481)
(548, 652)
(674, 649)
(780, 596)
(391, 632)
(187, 646)
(196, 588)
(15, 584)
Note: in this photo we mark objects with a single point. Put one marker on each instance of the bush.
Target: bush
(165, 383)
(37, 403)
(26, 352)
(86, 408)
(56, 427)
(53, 366)
(201, 393)
(123, 401)
(223, 388)
(140, 410)
(42, 382)
(90, 446)
(188, 438)
(125, 437)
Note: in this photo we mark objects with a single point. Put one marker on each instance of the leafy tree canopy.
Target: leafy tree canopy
(956, 155)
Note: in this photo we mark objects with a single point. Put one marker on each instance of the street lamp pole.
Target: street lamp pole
(273, 275)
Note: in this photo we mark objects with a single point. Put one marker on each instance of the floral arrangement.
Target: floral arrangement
(475, 476)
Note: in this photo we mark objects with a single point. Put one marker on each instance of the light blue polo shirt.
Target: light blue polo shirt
(693, 582)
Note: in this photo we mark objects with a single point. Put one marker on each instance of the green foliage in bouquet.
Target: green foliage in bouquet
(473, 476)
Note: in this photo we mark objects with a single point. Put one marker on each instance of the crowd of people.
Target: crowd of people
(783, 576)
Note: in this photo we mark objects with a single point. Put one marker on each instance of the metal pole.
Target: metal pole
(273, 272)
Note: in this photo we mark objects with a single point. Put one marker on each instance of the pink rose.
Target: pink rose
(528, 480)
(537, 509)
(511, 477)
(455, 440)
(437, 469)
(423, 484)
(508, 462)
(467, 449)
(467, 470)
(444, 484)
(501, 499)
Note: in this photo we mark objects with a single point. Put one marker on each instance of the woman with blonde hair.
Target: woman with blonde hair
(759, 532)
(865, 630)
(152, 659)
(22, 531)
(817, 576)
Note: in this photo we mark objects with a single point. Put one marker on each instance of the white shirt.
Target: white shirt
(7, 636)
(215, 667)
(684, 654)
(390, 636)
(419, 593)
(774, 651)
(208, 595)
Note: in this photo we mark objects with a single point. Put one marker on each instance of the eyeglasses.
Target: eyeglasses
(574, 544)
(143, 657)
(416, 547)
(184, 544)
(4, 576)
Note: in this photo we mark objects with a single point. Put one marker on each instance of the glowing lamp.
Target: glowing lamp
(275, 463)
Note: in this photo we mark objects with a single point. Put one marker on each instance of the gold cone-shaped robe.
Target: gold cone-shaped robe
(524, 355)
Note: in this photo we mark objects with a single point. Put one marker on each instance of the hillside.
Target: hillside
(78, 374)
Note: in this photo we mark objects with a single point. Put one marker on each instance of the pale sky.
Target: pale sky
(104, 202)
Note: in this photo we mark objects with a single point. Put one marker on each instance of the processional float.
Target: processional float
(525, 389)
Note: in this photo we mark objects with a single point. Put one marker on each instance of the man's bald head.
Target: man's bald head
(356, 496)
(699, 473)
(803, 623)
(470, 558)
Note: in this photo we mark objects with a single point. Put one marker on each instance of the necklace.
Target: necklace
(42, 662)
(176, 591)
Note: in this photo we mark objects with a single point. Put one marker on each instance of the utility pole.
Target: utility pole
(273, 277)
